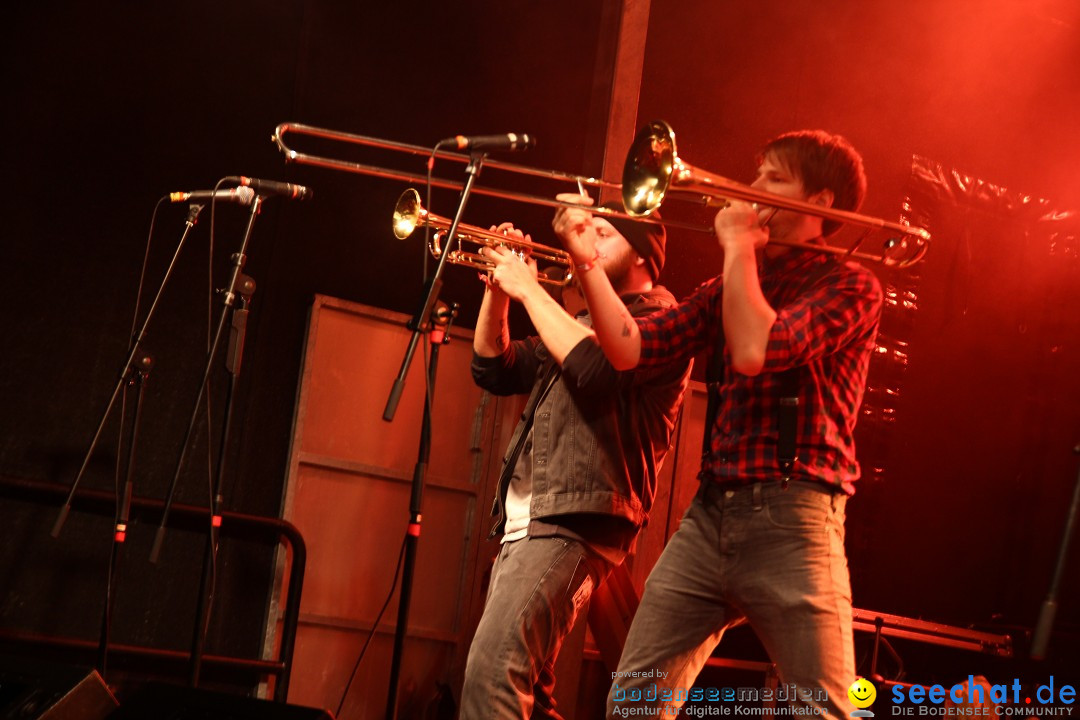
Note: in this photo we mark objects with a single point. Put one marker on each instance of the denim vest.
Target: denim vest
(599, 436)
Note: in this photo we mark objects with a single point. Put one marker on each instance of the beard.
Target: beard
(618, 268)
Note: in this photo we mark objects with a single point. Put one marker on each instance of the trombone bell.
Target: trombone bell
(649, 167)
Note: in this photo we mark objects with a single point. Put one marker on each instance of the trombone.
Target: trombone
(652, 171)
(410, 214)
(653, 167)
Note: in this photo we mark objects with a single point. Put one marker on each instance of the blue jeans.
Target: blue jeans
(758, 554)
(538, 587)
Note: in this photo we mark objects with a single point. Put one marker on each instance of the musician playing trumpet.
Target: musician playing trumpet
(579, 477)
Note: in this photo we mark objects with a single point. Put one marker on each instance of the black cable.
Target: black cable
(142, 272)
(109, 579)
(213, 534)
(900, 671)
(427, 262)
(106, 620)
(374, 627)
(898, 674)
(428, 395)
(428, 390)
(427, 204)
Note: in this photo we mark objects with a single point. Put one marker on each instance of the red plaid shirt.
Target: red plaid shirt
(828, 329)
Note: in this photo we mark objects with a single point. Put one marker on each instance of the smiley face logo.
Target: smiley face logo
(862, 693)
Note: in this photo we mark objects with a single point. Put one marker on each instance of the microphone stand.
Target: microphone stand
(443, 318)
(192, 218)
(1049, 606)
(418, 324)
(420, 321)
(233, 356)
(137, 377)
(228, 298)
(244, 286)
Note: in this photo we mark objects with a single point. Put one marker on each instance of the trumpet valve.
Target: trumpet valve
(436, 244)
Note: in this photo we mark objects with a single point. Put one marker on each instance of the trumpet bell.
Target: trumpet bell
(650, 164)
(408, 213)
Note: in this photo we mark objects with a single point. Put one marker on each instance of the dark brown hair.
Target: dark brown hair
(822, 162)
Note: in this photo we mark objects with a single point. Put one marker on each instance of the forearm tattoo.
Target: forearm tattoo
(503, 339)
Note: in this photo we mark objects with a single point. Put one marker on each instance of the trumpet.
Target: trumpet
(410, 214)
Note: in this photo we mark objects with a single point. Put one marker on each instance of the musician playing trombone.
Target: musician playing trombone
(580, 474)
(788, 334)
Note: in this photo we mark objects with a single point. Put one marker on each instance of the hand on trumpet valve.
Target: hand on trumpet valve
(738, 227)
(510, 231)
(512, 272)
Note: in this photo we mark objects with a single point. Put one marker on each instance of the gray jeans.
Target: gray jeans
(538, 587)
(758, 554)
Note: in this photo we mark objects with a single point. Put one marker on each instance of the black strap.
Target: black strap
(789, 382)
(787, 420)
(517, 442)
(527, 416)
(714, 373)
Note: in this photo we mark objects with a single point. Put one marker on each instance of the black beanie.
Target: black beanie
(648, 239)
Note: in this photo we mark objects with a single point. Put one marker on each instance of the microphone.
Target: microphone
(510, 142)
(242, 195)
(273, 187)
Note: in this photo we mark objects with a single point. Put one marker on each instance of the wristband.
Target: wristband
(587, 266)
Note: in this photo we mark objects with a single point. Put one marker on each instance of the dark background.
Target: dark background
(972, 413)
